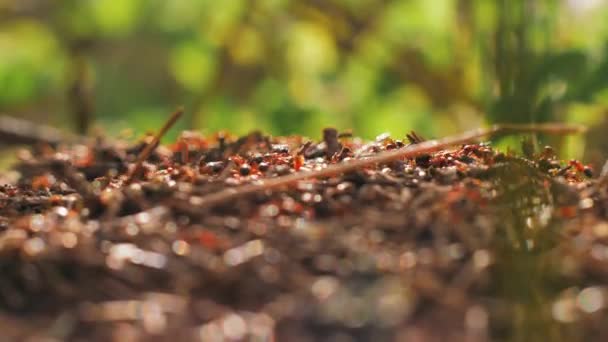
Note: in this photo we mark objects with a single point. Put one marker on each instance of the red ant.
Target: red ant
(580, 167)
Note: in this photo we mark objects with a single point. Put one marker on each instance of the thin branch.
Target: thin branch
(80, 90)
(15, 131)
(231, 194)
(153, 144)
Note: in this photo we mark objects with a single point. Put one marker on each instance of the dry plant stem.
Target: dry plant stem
(80, 91)
(15, 131)
(143, 155)
(231, 194)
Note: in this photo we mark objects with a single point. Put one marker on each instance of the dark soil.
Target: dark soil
(465, 244)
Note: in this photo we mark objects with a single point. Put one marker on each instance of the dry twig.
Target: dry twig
(145, 153)
(15, 131)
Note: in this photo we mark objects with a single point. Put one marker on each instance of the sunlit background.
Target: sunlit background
(294, 67)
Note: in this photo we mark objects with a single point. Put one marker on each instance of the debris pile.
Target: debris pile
(99, 244)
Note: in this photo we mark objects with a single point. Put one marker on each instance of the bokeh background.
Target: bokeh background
(294, 67)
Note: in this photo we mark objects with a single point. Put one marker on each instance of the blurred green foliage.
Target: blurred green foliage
(293, 67)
